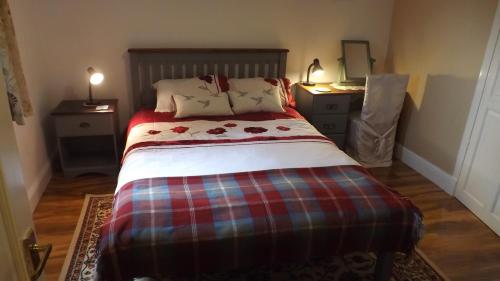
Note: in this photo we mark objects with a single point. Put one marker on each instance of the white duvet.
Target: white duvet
(192, 150)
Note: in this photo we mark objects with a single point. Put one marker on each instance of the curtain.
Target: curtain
(15, 83)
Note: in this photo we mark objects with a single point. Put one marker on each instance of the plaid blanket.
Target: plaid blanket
(187, 225)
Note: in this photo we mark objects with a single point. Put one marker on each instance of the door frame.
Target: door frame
(477, 98)
(15, 246)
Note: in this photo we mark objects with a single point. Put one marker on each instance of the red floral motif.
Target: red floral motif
(230, 125)
(283, 128)
(153, 132)
(216, 131)
(255, 130)
(179, 129)
(206, 78)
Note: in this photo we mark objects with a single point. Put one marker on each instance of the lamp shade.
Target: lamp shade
(317, 70)
(314, 68)
(95, 78)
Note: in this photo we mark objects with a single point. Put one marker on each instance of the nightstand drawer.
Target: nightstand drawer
(331, 104)
(84, 125)
(338, 139)
(330, 124)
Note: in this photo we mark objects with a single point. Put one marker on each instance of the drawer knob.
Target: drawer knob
(332, 106)
(84, 125)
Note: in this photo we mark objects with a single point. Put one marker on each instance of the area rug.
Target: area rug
(80, 261)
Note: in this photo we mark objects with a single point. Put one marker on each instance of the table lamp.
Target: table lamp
(95, 78)
(316, 71)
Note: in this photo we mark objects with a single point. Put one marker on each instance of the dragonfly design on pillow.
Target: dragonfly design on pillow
(205, 103)
(258, 100)
(204, 87)
(188, 97)
(242, 94)
(268, 92)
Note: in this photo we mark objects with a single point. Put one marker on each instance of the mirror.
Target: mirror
(357, 62)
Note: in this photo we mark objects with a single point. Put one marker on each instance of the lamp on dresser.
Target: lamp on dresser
(95, 78)
(316, 70)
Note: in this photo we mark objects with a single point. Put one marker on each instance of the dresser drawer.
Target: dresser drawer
(338, 139)
(330, 124)
(331, 104)
(84, 125)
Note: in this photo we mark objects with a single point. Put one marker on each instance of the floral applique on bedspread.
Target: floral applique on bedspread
(204, 132)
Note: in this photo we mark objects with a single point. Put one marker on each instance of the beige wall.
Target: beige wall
(31, 138)
(441, 44)
(69, 36)
(59, 39)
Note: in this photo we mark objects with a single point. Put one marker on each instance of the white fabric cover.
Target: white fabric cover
(372, 132)
(165, 89)
(202, 105)
(265, 100)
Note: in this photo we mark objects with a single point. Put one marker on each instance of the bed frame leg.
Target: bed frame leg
(383, 267)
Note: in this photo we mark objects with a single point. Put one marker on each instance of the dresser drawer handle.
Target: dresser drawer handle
(84, 125)
(332, 106)
(329, 126)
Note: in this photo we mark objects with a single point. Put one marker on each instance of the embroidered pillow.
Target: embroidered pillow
(267, 100)
(259, 83)
(204, 85)
(202, 105)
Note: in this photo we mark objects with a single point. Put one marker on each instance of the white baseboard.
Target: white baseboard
(36, 189)
(432, 172)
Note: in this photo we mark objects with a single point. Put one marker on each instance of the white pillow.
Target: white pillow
(267, 100)
(202, 105)
(165, 89)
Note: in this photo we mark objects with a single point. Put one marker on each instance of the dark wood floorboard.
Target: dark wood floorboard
(455, 240)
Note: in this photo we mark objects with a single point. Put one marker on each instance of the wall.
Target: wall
(31, 138)
(59, 39)
(441, 45)
(72, 35)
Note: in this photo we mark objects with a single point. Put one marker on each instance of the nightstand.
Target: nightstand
(328, 111)
(87, 138)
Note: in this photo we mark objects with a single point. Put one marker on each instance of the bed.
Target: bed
(209, 194)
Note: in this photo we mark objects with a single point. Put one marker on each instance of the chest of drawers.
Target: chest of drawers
(87, 137)
(327, 111)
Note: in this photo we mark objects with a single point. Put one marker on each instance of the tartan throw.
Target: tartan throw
(188, 225)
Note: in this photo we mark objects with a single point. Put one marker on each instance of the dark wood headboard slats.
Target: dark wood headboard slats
(205, 50)
(150, 65)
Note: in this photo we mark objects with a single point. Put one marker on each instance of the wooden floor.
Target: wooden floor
(455, 240)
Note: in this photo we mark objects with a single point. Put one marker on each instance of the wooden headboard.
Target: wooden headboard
(150, 65)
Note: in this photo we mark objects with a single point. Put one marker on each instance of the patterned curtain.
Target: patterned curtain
(15, 84)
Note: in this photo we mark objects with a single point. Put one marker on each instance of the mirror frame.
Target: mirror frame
(354, 80)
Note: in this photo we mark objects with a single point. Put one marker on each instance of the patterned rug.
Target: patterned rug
(80, 260)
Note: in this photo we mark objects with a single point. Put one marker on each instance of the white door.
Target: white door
(15, 213)
(479, 181)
